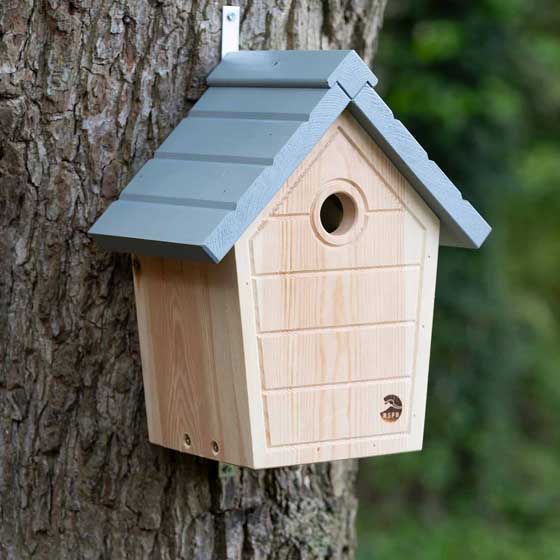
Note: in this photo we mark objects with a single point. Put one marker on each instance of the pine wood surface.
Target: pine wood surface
(339, 327)
(284, 352)
(192, 357)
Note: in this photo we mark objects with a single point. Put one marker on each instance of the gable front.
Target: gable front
(331, 328)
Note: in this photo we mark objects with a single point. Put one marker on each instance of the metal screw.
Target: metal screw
(187, 440)
(231, 16)
(215, 447)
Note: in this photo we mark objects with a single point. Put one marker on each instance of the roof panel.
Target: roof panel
(194, 183)
(130, 225)
(312, 69)
(293, 69)
(264, 112)
(258, 103)
(220, 139)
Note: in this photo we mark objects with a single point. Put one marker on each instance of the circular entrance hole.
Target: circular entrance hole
(338, 213)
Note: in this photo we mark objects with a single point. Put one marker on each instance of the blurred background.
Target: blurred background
(478, 84)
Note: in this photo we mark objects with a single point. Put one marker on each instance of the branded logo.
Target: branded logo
(394, 408)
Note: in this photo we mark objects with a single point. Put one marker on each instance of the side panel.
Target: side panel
(331, 330)
(192, 357)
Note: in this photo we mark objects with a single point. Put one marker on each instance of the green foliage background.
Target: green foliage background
(478, 84)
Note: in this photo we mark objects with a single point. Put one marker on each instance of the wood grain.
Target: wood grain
(339, 298)
(334, 413)
(337, 356)
(343, 153)
(288, 244)
(192, 357)
(461, 224)
(330, 330)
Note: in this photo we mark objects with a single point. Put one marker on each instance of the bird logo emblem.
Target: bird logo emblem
(394, 408)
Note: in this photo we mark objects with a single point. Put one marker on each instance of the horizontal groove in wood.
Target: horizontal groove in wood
(275, 216)
(297, 117)
(255, 160)
(327, 328)
(196, 202)
(341, 441)
(296, 273)
(270, 83)
(292, 389)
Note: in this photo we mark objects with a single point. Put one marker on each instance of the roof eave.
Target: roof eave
(153, 248)
(461, 225)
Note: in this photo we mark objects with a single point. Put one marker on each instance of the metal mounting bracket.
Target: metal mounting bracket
(230, 29)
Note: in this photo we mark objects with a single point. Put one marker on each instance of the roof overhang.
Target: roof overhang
(261, 116)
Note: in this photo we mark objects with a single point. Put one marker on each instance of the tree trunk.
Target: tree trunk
(88, 90)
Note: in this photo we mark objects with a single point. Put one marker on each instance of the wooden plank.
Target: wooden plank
(289, 244)
(336, 450)
(328, 414)
(338, 356)
(192, 183)
(251, 141)
(192, 357)
(337, 299)
(263, 103)
(263, 190)
(293, 69)
(157, 229)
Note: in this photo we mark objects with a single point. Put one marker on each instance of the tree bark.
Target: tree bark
(88, 90)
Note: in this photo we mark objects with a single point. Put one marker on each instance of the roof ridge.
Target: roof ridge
(293, 69)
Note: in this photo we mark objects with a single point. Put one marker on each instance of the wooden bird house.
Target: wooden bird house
(285, 240)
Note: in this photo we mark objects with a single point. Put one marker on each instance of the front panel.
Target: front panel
(337, 281)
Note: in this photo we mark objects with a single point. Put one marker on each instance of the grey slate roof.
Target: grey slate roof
(262, 114)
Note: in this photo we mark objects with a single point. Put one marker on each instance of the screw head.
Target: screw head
(187, 440)
(231, 16)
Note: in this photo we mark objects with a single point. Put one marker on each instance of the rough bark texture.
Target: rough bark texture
(88, 89)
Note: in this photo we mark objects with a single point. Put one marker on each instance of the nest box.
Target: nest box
(285, 240)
